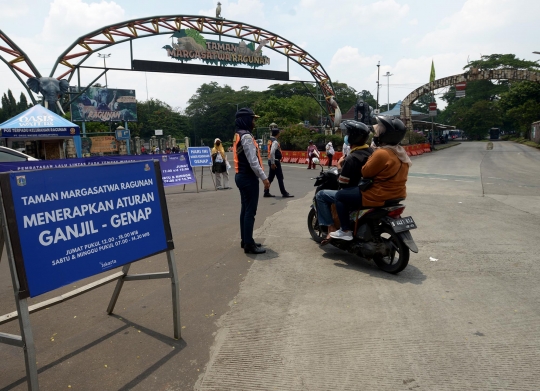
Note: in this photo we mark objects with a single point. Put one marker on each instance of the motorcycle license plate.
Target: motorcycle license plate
(403, 224)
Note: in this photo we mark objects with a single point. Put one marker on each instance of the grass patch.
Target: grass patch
(521, 140)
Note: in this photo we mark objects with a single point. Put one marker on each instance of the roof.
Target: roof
(396, 111)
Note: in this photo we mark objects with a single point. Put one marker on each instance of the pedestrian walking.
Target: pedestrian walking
(346, 147)
(274, 161)
(219, 165)
(312, 152)
(329, 153)
(249, 169)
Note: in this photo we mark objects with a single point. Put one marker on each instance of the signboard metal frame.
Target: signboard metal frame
(20, 288)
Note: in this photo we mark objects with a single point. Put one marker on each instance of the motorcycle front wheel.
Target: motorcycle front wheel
(313, 226)
(398, 257)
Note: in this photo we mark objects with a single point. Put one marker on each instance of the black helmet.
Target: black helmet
(358, 132)
(394, 130)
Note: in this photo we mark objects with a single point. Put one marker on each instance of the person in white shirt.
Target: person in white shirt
(329, 153)
(346, 147)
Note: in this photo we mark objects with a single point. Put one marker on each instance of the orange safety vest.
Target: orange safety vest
(237, 139)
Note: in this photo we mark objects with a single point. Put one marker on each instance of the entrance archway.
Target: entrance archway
(17, 61)
(473, 75)
(72, 58)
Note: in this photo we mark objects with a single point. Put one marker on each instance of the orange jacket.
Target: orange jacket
(389, 175)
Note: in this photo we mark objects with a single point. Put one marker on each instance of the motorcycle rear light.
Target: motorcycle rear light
(396, 213)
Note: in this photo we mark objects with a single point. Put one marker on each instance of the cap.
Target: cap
(245, 112)
(310, 141)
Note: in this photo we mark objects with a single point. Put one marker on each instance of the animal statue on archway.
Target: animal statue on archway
(218, 11)
(52, 91)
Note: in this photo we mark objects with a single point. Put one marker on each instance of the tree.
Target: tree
(212, 109)
(345, 96)
(524, 115)
(501, 61)
(288, 90)
(477, 119)
(23, 104)
(287, 111)
(422, 104)
(154, 114)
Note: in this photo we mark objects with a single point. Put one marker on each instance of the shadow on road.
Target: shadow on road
(411, 274)
(177, 344)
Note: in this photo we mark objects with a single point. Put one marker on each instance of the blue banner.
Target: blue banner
(175, 168)
(200, 156)
(74, 223)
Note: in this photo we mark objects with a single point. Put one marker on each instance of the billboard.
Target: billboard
(101, 104)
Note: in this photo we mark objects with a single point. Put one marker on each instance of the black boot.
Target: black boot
(253, 249)
(242, 244)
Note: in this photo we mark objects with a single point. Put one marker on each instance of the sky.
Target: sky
(348, 37)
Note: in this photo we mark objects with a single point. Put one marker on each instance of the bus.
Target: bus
(494, 133)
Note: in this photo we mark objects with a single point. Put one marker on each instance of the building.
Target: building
(535, 132)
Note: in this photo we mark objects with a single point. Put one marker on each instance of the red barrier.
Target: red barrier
(408, 150)
(426, 148)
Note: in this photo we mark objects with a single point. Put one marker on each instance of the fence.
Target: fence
(300, 157)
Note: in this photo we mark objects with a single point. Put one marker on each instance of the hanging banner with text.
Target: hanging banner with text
(72, 223)
(200, 156)
(175, 168)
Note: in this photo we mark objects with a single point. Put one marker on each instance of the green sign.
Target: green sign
(191, 45)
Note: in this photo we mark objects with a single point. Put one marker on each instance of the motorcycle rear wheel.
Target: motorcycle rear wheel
(398, 259)
(313, 226)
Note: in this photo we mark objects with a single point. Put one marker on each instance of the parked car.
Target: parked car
(12, 155)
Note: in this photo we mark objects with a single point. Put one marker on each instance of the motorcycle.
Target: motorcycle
(380, 233)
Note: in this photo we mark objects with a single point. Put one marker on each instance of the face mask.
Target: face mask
(346, 140)
(218, 143)
(376, 141)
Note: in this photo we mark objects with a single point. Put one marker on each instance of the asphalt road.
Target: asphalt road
(303, 317)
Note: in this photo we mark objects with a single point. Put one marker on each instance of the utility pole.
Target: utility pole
(378, 84)
(388, 74)
(104, 56)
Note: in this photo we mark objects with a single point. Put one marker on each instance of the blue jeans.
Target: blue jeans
(325, 199)
(347, 200)
(249, 197)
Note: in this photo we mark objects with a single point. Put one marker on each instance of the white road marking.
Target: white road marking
(457, 180)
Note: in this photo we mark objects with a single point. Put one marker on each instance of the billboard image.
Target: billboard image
(101, 104)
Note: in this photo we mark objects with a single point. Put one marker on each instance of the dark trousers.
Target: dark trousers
(330, 157)
(347, 200)
(278, 173)
(249, 197)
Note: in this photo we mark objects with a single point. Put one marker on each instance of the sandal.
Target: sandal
(325, 242)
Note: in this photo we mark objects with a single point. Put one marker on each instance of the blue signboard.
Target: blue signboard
(175, 168)
(72, 223)
(122, 134)
(200, 156)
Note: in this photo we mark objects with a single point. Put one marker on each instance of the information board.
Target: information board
(200, 156)
(175, 168)
(71, 223)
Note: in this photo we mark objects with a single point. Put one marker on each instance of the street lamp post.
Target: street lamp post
(388, 74)
(236, 104)
(104, 56)
(378, 85)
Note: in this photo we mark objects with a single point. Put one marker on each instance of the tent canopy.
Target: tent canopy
(40, 123)
(395, 111)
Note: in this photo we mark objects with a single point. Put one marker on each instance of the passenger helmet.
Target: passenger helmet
(393, 132)
(357, 132)
(315, 161)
